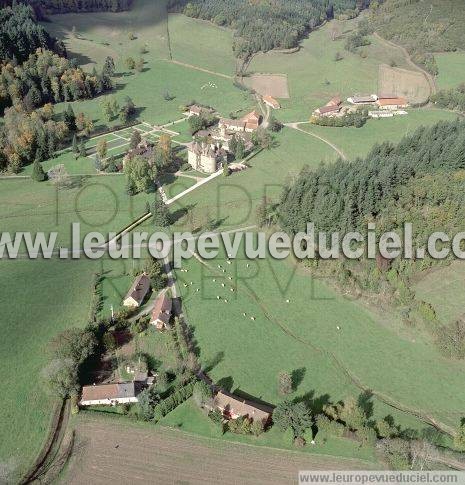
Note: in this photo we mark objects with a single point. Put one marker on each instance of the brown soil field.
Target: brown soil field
(112, 451)
(401, 82)
(268, 84)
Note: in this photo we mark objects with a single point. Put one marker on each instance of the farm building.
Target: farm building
(161, 312)
(363, 99)
(110, 394)
(249, 123)
(331, 108)
(271, 102)
(231, 125)
(327, 111)
(196, 110)
(252, 121)
(138, 292)
(205, 157)
(392, 103)
(234, 407)
(336, 101)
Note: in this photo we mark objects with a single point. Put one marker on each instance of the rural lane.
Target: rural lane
(295, 126)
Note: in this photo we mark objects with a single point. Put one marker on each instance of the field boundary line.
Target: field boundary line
(197, 68)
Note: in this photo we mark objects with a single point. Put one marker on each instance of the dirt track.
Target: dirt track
(109, 451)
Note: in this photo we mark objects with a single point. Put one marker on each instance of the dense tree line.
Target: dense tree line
(41, 7)
(63, 6)
(21, 35)
(262, 26)
(344, 196)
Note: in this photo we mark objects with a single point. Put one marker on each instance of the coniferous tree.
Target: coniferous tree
(75, 144)
(38, 173)
(160, 213)
(82, 149)
(70, 118)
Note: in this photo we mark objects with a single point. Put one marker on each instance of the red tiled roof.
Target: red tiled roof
(139, 288)
(162, 309)
(392, 101)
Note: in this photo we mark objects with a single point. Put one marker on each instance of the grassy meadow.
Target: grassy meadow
(451, 67)
(357, 142)
(39, 300)
(443, 288)
(315, 76)
(246, 352)
(212, 48)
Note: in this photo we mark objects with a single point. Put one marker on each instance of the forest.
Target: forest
(64, 6)
(21, 35)
(344, 196)
(41, 7)
(262, 26)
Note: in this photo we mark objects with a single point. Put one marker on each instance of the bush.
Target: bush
(329, 427)
(366, 435)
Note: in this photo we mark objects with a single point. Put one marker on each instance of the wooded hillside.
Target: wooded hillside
(345, 196)
(421, 26)
(261, 26)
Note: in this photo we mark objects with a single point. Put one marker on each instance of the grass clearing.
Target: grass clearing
(443, 288)
(211, 49)
(49, 297)
(357, 142)
(451, 67)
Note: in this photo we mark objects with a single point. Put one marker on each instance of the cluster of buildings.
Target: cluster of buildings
(210, 149)
(231, 406)
(383, 106)
(162, 308)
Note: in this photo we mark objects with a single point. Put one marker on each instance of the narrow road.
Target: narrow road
(295, 126)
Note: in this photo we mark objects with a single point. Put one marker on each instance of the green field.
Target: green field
(443, 288)
(99, 203)
(302, 336)
(188, 417)
(201, 44)
(314, 76)
(39, 300)
(357, 142)
(451, 67)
